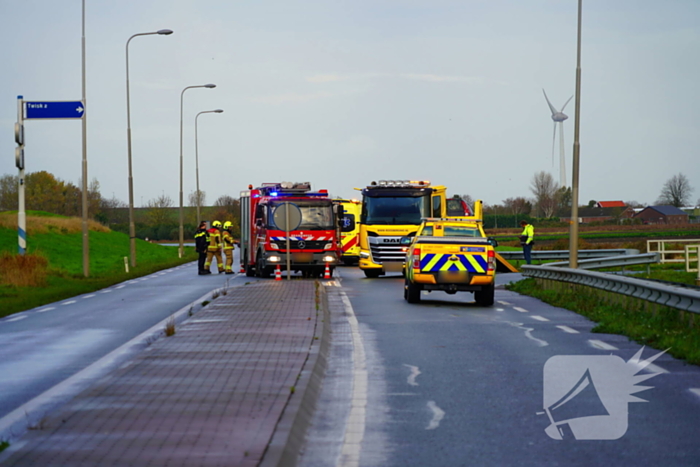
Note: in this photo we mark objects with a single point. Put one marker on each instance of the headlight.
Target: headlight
(328, 246)
(328, 259)
(364, 254)
(274, 246)
(274, 259)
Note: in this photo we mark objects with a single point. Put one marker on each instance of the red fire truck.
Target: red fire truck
(313, 243)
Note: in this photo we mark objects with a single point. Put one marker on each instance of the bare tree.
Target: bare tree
(517, 206)
(676, 191)
(545, 190)
(158, 210)
(193, 196)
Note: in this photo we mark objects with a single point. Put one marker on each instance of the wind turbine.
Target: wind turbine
(559, 117)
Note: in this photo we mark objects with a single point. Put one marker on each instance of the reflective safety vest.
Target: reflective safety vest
(528, 234)
(228, 240)
(214, 239)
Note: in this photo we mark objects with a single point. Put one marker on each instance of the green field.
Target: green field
(65, 275)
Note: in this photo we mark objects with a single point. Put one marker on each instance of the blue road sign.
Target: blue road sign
(55, 109)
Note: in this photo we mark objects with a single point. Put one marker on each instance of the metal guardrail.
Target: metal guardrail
(613, 261)
(666, 295)
(564, 254)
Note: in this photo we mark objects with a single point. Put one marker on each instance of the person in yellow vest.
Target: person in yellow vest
(228, 246)
(214, 248)
(527, 240)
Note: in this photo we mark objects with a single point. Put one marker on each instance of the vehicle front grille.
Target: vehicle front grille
(386, 249)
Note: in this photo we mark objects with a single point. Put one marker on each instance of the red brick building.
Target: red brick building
(662, 215)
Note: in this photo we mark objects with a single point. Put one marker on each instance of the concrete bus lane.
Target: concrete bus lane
(451, 383)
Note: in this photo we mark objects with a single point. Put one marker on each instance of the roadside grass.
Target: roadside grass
(4, 445)
(23, 271)
(64, 273)
(661, 328)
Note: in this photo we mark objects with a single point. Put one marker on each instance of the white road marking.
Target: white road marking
(355, 425)
(48, 308)
(695, 391)
(69, 302)
(499, 309)
(414, 373)
(568, 329)
(521, 310)
(119, 287)
(16, 318)
(539, 318)
(601, 345)
(89, 296)
(107, 291)
(528, 331)
(503, 303)
(438, 415)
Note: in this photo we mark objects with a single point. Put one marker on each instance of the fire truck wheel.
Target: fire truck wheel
(260, 268)
(249, 271)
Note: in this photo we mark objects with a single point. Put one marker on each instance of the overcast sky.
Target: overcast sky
(340, 93)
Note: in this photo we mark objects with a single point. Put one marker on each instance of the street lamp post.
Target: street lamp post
(181, 250)
(573, 234)
(132, 228)
(196, 158)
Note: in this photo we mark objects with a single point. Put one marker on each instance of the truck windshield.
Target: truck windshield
(395, 210)
(314, 215)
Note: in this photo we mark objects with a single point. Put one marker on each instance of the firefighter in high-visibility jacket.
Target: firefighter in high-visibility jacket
(228, 246)
(214, 248)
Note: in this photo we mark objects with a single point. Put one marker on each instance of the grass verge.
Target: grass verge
(654, 326)
(61, 269)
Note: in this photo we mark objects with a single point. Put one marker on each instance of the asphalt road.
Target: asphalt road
(47, 345)
(449, 383)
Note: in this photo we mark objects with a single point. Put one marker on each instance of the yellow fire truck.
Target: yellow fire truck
(392, 209)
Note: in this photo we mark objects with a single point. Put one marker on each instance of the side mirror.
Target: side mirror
(492, 241)
(259, 223)
(406, 241)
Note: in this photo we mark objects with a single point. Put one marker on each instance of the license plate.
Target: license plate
(452, 277)
(302, 257)
(393, 267)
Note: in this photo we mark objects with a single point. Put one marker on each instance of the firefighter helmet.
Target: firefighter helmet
(216, 224)
(227, 225)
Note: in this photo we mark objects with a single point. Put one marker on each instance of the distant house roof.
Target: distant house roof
(668, 210)
(610, 204)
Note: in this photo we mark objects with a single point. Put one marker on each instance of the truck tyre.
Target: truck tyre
(249, 271)
(412, 293)
(260, 268)
(372, 273)
(485, 297)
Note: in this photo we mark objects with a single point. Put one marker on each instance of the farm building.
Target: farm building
(662, 215)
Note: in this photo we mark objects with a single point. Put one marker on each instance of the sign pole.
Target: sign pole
(289, 260)
(86, 237)
(21, 215)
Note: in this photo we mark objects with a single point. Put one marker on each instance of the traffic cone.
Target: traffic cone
(242, 269)
(327, 273)
(278, 273)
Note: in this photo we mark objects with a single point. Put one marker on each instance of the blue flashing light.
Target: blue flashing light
(274, 193)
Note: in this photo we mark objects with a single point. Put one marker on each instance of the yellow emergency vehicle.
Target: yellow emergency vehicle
(350, 230)
(452, 255)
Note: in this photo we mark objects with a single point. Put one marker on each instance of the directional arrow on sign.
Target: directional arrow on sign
(54, 109)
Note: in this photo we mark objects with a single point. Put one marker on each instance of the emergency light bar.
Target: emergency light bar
(400, 184)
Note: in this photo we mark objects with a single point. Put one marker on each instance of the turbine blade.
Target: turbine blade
(551, 107)
(562, 109)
